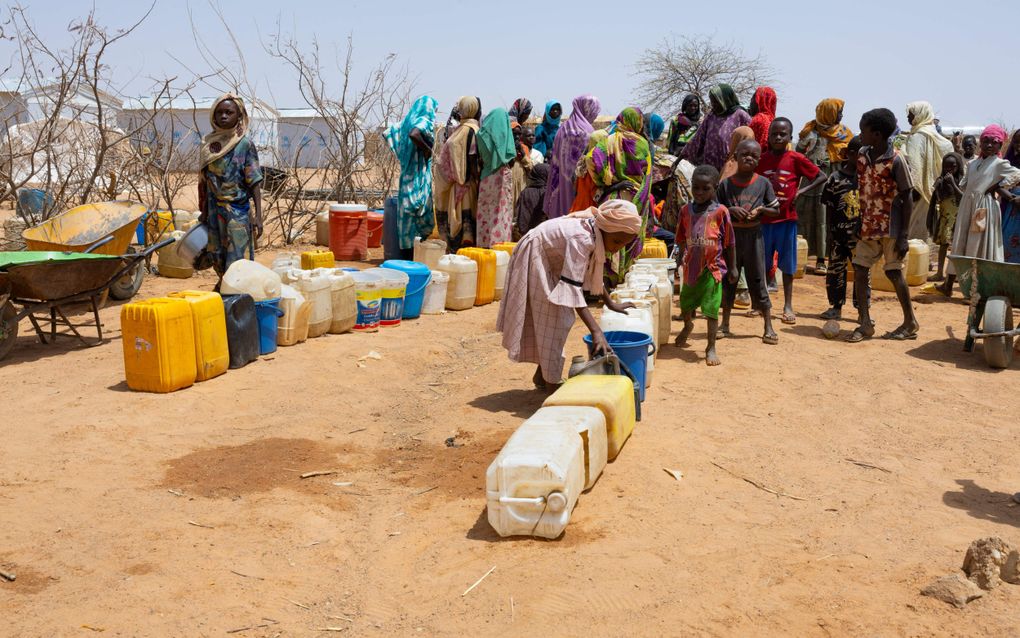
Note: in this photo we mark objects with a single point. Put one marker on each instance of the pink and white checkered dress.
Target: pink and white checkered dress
(543, 289)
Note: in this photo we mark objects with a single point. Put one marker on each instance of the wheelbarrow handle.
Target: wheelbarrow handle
(154, 247)
(101, 242)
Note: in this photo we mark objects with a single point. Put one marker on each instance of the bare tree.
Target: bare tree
(62, 136)
(694, 64)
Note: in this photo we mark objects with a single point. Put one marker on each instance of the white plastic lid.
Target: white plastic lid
(440, 277)
(347, 208)
(390, 275)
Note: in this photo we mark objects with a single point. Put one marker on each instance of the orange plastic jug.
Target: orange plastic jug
(486, 260)
(159, 344)
(212, 356)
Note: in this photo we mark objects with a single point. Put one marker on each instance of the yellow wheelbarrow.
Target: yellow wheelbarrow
(83, 226)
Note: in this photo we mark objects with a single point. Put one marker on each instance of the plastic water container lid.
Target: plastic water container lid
(365, 279)
(389, 275)
(440, 277)
(403, 265)
(348, 208)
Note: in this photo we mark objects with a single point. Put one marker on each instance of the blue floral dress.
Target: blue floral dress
(229, 181)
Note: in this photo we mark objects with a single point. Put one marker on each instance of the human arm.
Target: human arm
(421, 143)
(902, 205)
(203, 206)
(598, 338)
(729, 250)
(256, 220)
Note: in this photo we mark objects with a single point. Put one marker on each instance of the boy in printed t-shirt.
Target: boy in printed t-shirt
(749, 197)
(884, 192)
(843, 215)
(785, 169)
(705, 236)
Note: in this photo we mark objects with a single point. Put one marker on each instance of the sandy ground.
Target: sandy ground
(184, 515)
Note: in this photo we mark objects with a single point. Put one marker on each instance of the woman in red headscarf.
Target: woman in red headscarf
(763, 111)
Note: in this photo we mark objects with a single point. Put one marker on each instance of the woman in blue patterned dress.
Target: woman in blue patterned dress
(412, 142)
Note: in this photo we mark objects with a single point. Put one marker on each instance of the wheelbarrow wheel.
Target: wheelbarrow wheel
(998, 318)
(8, 329)
(126, 287)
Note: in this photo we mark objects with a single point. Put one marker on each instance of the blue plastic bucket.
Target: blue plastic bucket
(633, 349)
(268, 314)
(419, 277)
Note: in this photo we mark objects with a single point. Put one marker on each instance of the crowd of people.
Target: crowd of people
(581, 200)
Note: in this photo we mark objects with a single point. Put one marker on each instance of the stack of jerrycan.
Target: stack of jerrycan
(485, 291)
(655, 279)
(535, 481)
(315, 287)
(462, 288)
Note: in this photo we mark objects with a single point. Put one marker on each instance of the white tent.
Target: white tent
(304, 138)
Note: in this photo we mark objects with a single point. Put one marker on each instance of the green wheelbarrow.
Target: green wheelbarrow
(992, 287)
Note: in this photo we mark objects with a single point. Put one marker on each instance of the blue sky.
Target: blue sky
(870, 53)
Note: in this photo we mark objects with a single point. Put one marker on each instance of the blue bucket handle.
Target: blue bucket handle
(651, 349)
(423, 287)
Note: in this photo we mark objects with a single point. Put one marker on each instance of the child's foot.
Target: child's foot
(773, 286)
(711, 358)
(904, 332)
(937, 277)
(754, 312)
(770, 338)
(861, 333)
(832, 313)
(820, 268)
(723, 332)
(681, 339)
(742, 300)
(789, 317)
(538, 379)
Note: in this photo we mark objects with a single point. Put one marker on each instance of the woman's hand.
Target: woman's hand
(256, 228)
(619, 307)
(599, 344)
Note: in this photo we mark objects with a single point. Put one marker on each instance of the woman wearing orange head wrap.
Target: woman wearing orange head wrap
(823, 140)
(550, 270)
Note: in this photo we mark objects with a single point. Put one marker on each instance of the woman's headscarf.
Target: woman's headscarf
(567, 148)
(226, 138)
(520, 106)
(827, 125)
(495, 142)
(545, 133)
(995, 132)
(763, 103)
(726, 97)
(740, 134)
(623, 156)
(653, 126)
(924, 148)
(613, 216)
(415, 170)
(689, 99)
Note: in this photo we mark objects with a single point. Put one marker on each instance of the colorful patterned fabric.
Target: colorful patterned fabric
(229, 180)
(879, 182)
(414, 203)
(705, 236)
(495, 208)
(763, 103)
(567, 148)
(711, 142)
(726, 97)
(545, 133)
(683, 127)
(520, 110)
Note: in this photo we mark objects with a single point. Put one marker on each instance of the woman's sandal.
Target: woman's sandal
(789, 318)
(900, 335)
(770, 340)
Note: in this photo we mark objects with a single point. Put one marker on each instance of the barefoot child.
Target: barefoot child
(748, 196)
(229, 179)
(945, 202)
(705, 236)
(843, 212)
(886, 205)
(785, 168)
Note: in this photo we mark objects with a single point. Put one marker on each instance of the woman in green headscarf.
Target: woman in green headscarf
(496, 150)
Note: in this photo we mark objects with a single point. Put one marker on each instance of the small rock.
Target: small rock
(953, 589)
(984, 561)
(1011, 568)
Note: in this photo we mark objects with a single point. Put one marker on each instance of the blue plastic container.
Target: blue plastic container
(140, 231)
(633, 349)
(268, 314)
(419, 277)
(33, 202)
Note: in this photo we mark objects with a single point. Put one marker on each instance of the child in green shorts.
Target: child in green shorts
(705, 235)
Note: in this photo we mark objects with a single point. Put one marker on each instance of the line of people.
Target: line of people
(736, 216)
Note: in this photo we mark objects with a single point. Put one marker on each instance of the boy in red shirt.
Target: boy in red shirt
(705, 237)
(785, 169)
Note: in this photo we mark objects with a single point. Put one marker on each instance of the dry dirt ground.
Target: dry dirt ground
(137, 514)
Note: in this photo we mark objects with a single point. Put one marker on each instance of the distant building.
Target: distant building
(176, 131)
(304, 138)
